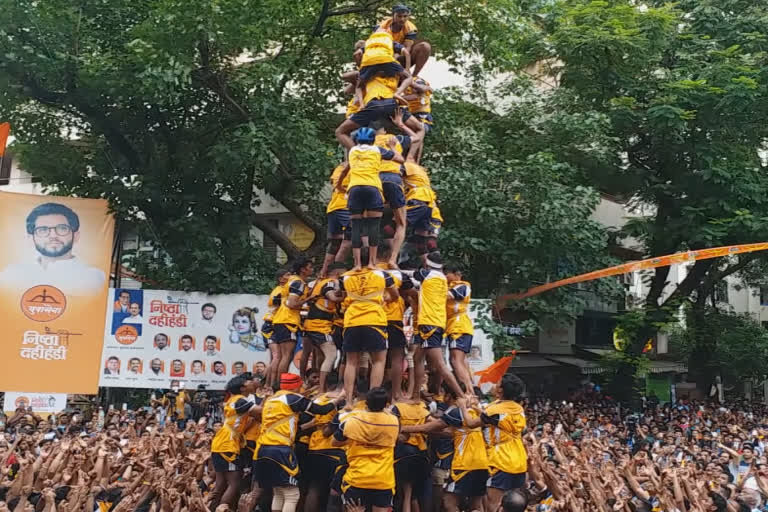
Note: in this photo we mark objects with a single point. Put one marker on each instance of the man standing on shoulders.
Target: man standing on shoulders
(459, 329)
(404, 32)
(287, 319)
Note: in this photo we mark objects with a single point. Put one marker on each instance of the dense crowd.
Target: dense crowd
(585, 455)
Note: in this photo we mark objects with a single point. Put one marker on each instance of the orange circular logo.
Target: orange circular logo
(43, 303)
(126, 335)
(22, 402)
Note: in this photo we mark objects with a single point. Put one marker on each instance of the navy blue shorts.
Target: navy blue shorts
(318, 338)
(426, 120)
(385, 69)
(369, 497)
(429, 336)
(365, 338)
(321, 467)
(282, 333)
(338, 223)
(419, 216)
(412, 465)
(338, 336)
(267, 329)
(273, 467)
(468, 483)
(395, 335)
(505, 481)
(461, 342)
(375, 110)
(393, 191)
(364, 198)
(221, 464)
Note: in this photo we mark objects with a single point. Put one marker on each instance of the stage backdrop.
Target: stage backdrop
(54, 270)
(153, 337)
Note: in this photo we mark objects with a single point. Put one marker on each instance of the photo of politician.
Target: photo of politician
(54, 231)
(112, 366)
(127, 309)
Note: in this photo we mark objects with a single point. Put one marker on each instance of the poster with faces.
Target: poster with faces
(162, 339)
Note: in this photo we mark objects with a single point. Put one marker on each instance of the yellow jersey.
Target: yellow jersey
(317, 441)
(321, 309)
(433, 296)
(280, 418)
(253, 426)
(352, 108)
(423, 102)
(379, 49)
(380, 88)
(388, 165)
(285, 315)
(417, 184)
(468, 443)
(506, 450)
(338, 198)
(407, 31)
(364, 164)
(371, 438)
(229, 439)
(273, 303)
(457, 305)
(412, 414)
(396, 309)
(365, 291)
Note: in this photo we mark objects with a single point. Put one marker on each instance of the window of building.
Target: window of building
(764, 295)
(595, 329)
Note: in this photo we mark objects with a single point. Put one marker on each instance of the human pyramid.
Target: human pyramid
(301, 442)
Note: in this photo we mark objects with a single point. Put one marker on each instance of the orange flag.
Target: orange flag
(496, 371)
(5, 130)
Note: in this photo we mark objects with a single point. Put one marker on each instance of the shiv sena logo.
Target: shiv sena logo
(126, 335)
(43, 303)
(22, 402)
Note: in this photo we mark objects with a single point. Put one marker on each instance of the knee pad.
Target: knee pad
(333, 246)
(278, 498)
(431, 244)
(329, 351)
(291, 497)
(372, 230)
(365, 360)
(357, 233)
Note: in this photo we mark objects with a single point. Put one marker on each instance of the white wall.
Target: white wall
(21, 181)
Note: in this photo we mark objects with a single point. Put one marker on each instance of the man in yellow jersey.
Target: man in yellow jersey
(267, 329)
(365, 322)
(392, 180)
(287, 320)
(337, 215)
(365, 201)
(228, 442)
(469, 463)
(380, 85)
(358, 404)
(323, 458)
(395, 309)
(420, 203)
(370, 436)
(433, 296)
(275, 466)
(404, 32)
(318, 326)
(508, 460)
(419, 98)
(412, 471)
(458, 328)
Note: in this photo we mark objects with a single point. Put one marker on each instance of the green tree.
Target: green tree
(684, 90)
(178, 112)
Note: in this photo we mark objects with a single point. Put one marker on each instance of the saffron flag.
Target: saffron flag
(5, 130)
(634, 266)
(496, 371)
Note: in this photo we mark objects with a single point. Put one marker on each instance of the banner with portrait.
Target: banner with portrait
(155, 337)
(54, 270)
